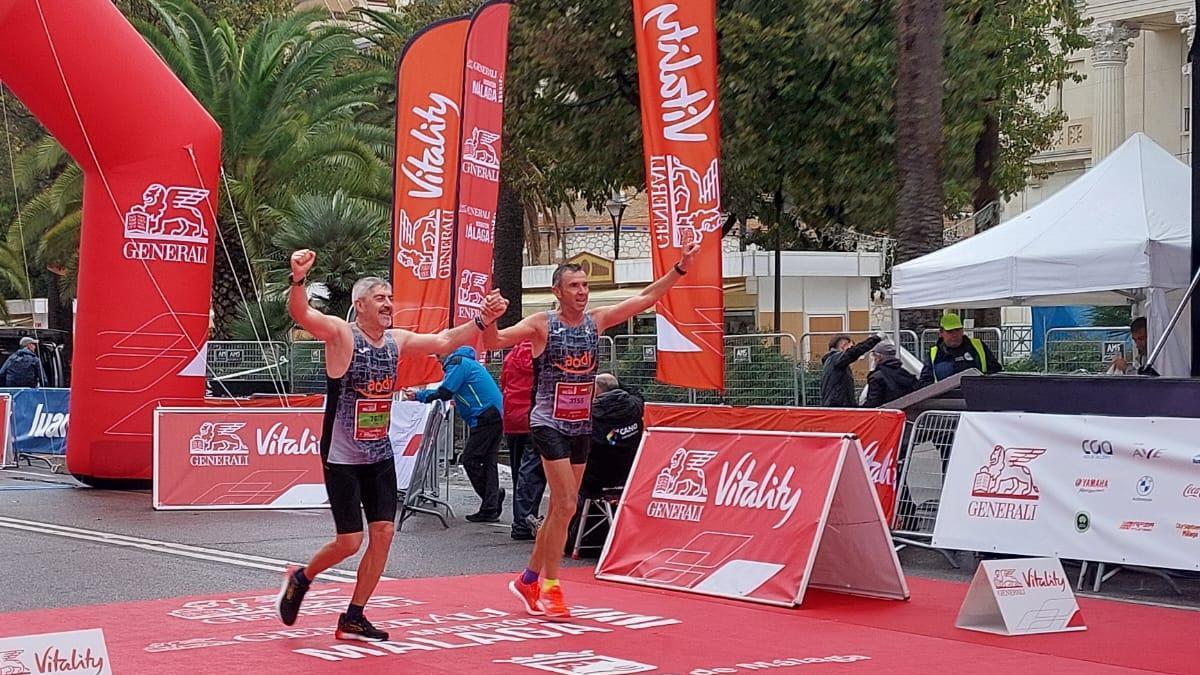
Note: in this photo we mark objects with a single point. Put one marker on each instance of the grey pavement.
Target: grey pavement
(64, 544)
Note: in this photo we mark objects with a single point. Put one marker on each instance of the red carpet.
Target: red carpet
(473, 625)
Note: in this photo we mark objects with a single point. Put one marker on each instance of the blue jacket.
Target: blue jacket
(471, 386)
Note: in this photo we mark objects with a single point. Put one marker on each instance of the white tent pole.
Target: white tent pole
(1162, 340)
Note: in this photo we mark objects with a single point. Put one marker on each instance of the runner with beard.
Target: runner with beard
(360, 472)
(564, 349)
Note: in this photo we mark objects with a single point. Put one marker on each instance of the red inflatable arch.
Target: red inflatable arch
(150, 154)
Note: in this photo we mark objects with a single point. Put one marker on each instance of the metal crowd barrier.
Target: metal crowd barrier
(922, 475)
(424, 492)
(1071, 350)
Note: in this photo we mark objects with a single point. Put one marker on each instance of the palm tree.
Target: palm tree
(919, 140)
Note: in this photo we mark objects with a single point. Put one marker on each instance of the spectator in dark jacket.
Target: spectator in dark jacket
(889, 381)
(477, 400)
(837, 382)
(23, 368)
(616, 433)
(529, 478)
(956, 352)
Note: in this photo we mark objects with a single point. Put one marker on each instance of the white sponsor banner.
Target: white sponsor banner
(79, 651)
(406, 430)
(1020, 597)
(1107, 489)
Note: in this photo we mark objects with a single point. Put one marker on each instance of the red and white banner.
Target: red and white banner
(758, 516)
(1022, 596)
(879, 430)
(479, 175)
(1109, 489)
(407, 429)
(681, 127)
(428, 107)
(229, 458)
(76, 651)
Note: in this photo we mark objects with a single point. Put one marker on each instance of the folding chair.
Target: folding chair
(602, 510)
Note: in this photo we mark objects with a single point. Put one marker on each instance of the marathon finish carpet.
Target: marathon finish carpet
(473, 625)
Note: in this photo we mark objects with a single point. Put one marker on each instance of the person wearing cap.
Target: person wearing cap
(24, 368)
(889, 380)
(837, 382)
(954, 352)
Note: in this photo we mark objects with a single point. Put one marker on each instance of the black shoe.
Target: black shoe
(358, 629)
(481, 517)
(523, 535)
(291, 594)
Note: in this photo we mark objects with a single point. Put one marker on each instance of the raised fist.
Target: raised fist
(302, 262)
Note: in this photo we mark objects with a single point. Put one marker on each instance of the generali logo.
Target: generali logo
(684, 205)
(1006, 577)
(278, 440)
(1192, 491)
(472, 289)
(428, 172)
(1091, 484)
(167, 226)
(1005, 485)
(682, 480)
(684, 107)
(480, 156)
(11, 663)
(218, 444)
(424, 245)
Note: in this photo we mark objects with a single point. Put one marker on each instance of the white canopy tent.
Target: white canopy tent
(1120, 233)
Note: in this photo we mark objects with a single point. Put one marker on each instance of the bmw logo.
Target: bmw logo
(1145, 485)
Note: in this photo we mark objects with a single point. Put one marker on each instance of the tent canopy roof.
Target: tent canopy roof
(1122, 227)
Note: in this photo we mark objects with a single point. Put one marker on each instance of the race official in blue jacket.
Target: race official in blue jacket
(477, 399)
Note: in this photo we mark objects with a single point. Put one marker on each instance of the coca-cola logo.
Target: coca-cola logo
(427, 172)
(279, 441)
(1192, 491)
(682, 108)
(741, 486)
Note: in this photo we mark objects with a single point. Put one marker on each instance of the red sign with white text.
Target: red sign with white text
(879, 430)
(252, 458)
(428, 105)
(7, 456)
(724, 513)
(479, 175)
(681, 130)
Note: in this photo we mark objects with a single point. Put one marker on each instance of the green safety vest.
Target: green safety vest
(976, 344)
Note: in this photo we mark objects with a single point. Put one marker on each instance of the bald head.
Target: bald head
(606, 382)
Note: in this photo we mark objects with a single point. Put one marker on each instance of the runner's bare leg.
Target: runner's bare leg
(563, 478)
(370, 568)
(343, 546)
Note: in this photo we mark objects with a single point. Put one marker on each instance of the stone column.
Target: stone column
(1110, 51)
(1187, 25)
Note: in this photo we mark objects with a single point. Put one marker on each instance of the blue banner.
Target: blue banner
(39, 420)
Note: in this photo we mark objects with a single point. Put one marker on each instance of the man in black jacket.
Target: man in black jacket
(616, 432)
(889, 381)
(837, 382)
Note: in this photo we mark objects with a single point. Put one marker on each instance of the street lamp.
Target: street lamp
(616, 208)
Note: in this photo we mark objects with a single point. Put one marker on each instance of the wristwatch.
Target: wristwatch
(292, 281)
(480, 324)
(682, 272)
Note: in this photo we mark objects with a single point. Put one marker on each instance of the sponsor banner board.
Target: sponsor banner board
(77, 651)
(40, 417)
(7, 456)
(1024, 596)
(1084, 487)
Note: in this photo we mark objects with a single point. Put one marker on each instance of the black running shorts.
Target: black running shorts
(552, 444)
(357, 488)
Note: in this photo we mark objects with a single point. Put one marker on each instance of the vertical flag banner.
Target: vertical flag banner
(479, 174)
(677, 76)
(428, 111)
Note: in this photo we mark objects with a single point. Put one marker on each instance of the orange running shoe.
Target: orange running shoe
(527, 593)
(551, 603)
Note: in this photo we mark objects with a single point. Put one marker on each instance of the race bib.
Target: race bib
(572, 401)
(371, 418)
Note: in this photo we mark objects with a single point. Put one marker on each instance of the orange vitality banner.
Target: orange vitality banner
(479, 176)
(428, 114)
(677, 75)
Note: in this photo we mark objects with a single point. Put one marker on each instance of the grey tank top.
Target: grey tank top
(358, 405)
(565, 376)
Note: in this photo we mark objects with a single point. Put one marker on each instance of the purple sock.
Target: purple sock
(301, 578)
(528, 576)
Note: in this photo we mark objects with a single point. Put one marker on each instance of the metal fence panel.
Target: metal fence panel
(248, 361)
(1090, 350)
(636, 361)
(759, 370)
(922, 475)
(308, 367)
